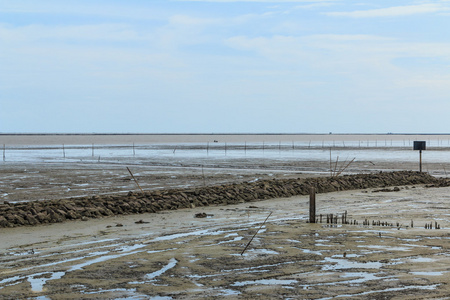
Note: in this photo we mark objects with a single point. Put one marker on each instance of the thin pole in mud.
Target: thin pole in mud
(245, 147)
(134, 152)
(312, 205)
(420, 163)
(331, 166)
(64, 152)
(207, 148)
(4, 152)
(203, 175)
(137, 183)
(256, 233)
(92, 150)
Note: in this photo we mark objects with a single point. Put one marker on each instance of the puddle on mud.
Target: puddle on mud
(254, 252)
(428, 273)
(340, 264)
(386, 248)
(38, 282)
(265, 282)
(419, 287)
(172, 263)
(310, 251)
(360, 277)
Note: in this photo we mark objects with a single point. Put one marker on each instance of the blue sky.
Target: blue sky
(224, 66)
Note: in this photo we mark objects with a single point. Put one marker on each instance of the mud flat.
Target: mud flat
(171, 254)
(174, 255)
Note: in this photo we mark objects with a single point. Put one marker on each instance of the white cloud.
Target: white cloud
(391, 11)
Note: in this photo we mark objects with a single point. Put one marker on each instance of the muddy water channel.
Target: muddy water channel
(173, 255)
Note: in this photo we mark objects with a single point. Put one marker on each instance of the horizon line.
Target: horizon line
(220, 133)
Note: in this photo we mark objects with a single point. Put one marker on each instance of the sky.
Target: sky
(224, 66)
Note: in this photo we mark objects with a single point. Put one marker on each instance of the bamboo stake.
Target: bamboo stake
(137, 183)
(256, 233)
(339, 173)
(335, 166)
(203, 175)
(331, 166)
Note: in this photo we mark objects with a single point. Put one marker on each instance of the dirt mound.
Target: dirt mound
(54, 211)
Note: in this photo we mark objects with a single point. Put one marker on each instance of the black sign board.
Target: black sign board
(420, 145)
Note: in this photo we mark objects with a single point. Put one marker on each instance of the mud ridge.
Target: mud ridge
(82, 208)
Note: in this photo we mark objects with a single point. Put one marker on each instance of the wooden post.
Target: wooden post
(64, 152)
(312, 205)
(4, 152)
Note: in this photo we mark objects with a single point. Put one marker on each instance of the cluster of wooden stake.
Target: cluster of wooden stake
(336, 218)
(430, 226)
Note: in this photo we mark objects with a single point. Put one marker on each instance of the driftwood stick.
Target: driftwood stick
(256, 233)
(137, 183)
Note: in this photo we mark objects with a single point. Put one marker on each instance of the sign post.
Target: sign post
(420, 145)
